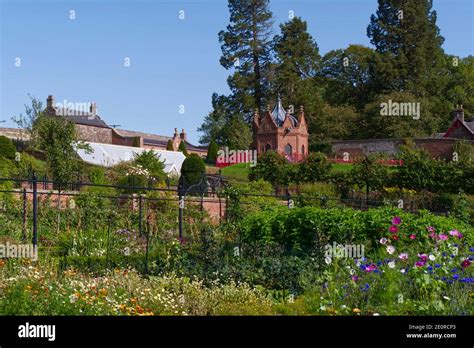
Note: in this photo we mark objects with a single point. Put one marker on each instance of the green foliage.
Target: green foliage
(420, 172)
(315, 167)
(246, 48)
(182, 148)
(369, 173)
(348, 76)
(56, 137)
(169, 145)
(271, 167)
(409, 43)
(29, 164)
(7, 148)
(149, 161)
(304, 229)
(317, 194)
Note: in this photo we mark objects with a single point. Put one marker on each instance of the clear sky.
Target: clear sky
(173, 62)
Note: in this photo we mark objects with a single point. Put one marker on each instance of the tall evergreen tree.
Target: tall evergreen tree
(297, 58)
(406, 35)
(246, 48)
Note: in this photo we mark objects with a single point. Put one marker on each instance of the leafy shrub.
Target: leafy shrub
(314, 168)
(7, 148)
(192, 170)
(271, 167)
(212, 150)
(29, 164)
(317, 194)
(302, 230)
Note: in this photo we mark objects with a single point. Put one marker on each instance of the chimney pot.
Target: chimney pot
(93, 108)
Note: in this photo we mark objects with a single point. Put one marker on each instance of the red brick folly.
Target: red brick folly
(282, 132)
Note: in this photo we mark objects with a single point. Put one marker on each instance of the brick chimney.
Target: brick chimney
(459, 113)
(50, 102)
(176, 140)
(93, 108)
(182, 135)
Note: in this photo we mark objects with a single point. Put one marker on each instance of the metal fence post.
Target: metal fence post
(24, 230)
(181, 206)
(140, 215)
(35, 214)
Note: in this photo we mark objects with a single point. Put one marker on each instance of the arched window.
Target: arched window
(268, 147)
(288, 149)
(302, 149)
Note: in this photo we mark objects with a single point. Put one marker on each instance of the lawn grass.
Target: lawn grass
(237, 171)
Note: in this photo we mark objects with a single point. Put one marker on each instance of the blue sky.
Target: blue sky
(173, 62)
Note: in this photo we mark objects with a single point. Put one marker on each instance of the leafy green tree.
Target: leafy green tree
(423, 173)
(373, 123)
(182, 148)
(56, 137)
(237, 133)
(297, 59)
(7, 148)
(26, 122)
(215, 121)
(348, 76)
(246, 48)
(212, 150)
(315, 167)
(273, 168)
(149, 161)
(368, 172)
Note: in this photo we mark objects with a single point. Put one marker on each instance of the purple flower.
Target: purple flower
(396, 220)
(355, 278)
(393, 229)
(442, 236)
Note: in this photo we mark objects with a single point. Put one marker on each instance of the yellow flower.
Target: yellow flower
(356, 310)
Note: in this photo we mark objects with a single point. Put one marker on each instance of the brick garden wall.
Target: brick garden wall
(442, 148)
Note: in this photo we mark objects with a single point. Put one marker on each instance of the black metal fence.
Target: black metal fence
(142, 211)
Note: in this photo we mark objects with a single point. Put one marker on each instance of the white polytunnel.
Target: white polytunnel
(108, 155)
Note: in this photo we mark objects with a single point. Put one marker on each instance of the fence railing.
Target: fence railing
(210, 204)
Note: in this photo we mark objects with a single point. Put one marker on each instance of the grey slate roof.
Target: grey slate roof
(81, 117)
(279, 114)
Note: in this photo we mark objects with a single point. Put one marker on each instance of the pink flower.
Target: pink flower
(466, 263)
(395, 237)
(371, 268)
(396, 220)
(442, 236)
(423, 257)
(355, 278)
(412, 236)
(456, 233)
(403, 256)
(393, 229)
(433, 235)
(419, 263)
(430, 229)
